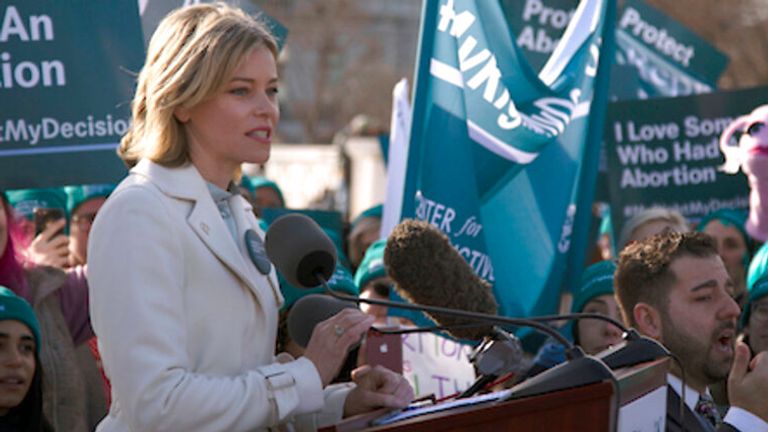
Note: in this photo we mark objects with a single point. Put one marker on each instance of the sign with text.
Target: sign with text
(153, 11)
(538, 26)
(671, 59)
(664, 152)
(436, 365)
(67, 72)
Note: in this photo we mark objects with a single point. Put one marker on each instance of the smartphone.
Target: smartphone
(43, 216)
(385, 350)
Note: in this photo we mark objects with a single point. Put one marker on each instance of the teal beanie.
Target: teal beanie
(13, 307)
(372, 266)
(374, 212)
(253, 183)
(734, 218)
(757, 281)
(24, 201)
(728, 217)
(596, 280)
(77, 195)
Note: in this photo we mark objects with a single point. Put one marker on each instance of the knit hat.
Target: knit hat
(341, 280)
(372, 266)
(24, 201)
(13, 307)
(727, 217)
(253, 183)
(757, 281)
(77, 195)
(730, 217)
(374, 212)
(596, 280)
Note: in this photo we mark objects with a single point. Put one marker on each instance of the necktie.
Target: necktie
(707, 409)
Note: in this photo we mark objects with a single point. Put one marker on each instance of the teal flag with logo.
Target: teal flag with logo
(502, 157)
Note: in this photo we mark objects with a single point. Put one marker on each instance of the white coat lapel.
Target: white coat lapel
(186, 183)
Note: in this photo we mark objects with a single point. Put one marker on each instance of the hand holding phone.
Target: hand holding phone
(43, 216)
(50, 246)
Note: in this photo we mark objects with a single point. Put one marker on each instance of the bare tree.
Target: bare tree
(337, 64)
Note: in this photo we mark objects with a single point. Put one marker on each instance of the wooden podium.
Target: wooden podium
(586, 408)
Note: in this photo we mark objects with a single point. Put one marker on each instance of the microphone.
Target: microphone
(306, 258)
(428, 270)
(300, 250)
(309, 311)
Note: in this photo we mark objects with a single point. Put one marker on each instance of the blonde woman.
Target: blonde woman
(182, 301)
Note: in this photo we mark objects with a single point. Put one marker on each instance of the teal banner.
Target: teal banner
(67, 74)
(664, 152)
(501, 158)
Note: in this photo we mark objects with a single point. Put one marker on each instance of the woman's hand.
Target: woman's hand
(377, 387)
(49, 249)
(332, 339)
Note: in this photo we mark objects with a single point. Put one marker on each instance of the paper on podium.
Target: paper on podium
(420, 409)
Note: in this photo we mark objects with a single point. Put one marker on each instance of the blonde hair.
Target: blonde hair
(191, 54)
(652, 214)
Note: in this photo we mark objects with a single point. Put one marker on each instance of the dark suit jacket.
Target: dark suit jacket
(692, 421)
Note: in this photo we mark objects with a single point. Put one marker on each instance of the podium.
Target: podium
(587, 408)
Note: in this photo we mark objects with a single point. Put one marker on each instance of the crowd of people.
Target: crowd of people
(151, 305)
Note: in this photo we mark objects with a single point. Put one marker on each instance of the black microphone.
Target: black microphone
(305, 258)
(309, 311)
(300, 250)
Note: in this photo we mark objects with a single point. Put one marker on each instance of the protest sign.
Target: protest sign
(670, 59)
(67, 72)
(665, 152)
(436, 365)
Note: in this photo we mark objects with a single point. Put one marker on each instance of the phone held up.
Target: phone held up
(43, 216)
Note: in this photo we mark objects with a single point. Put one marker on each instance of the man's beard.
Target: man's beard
(695, 355)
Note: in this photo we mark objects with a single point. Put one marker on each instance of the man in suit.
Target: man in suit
(674, 288)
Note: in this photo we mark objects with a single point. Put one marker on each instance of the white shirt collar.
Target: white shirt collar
(691, 395)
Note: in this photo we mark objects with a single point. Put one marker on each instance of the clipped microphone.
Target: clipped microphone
(428, 270)
(300, 250)
(309, 311)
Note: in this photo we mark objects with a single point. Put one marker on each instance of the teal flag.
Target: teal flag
(67, 73)
(502, 157)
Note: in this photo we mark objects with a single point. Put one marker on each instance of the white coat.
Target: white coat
(186, 324)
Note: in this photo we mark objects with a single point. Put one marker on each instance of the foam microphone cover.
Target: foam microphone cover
(310, 311)
(300, 250)
(427, 270)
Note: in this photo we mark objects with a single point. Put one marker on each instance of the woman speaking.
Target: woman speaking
(185, 309)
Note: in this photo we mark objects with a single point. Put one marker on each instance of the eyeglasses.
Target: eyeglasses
(760, 311)
(83, 220)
